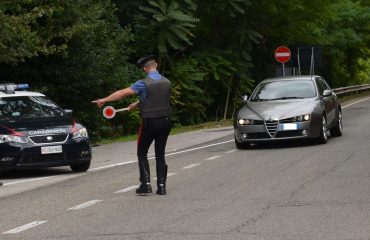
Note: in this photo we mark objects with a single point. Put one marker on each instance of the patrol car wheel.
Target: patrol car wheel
(82, 167)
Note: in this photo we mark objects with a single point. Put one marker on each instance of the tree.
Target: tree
(172, 22)
(21, 35)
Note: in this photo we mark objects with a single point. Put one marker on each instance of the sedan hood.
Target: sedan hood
(276, 109)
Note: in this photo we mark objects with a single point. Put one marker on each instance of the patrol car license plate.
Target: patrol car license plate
(51, 149)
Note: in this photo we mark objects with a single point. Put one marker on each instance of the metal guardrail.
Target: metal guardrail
(350, 89)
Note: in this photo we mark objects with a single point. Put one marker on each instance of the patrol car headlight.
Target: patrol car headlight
(12, 139)
(82, 133)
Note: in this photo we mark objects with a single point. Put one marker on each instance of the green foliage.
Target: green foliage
(25, 30)
(233, 8)
(172, 24)
(362, 68)
(186, 78)
(347, 39)
(226, 71)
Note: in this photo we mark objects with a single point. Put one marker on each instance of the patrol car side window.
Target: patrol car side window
(28, 107)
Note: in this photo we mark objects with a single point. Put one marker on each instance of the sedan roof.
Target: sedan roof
(288, 78)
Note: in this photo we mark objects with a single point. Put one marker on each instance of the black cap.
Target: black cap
(141, 62)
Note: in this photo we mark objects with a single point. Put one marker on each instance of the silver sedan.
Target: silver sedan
(297, 107)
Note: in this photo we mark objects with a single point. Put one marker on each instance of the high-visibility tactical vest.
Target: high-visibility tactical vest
(157, 102)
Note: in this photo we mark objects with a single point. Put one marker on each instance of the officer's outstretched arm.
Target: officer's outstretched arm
(115, 96)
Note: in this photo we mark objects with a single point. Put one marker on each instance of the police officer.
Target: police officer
(154, 104)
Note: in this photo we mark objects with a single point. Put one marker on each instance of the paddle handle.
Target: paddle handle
(122, 109)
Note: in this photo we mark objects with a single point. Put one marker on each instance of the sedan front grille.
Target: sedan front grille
(257, 122)
(45, 139)
(288, 120)
(271, 127)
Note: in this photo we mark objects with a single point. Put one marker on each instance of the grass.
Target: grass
(175, 130)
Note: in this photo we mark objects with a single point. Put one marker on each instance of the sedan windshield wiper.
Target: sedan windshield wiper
(284, 98)
(261, 100)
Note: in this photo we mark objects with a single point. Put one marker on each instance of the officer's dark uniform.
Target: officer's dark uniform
(155, 111)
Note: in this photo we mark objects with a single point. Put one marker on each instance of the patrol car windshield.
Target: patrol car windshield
(28, 107)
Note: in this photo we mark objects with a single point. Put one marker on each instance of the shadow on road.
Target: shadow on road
(284, 144)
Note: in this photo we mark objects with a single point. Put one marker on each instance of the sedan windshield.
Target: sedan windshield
(282, 90)
(28, 107)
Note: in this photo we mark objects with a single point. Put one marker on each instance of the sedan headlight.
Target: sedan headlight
(82, 133)
(12, 139)
(302, 118)
(242, 121)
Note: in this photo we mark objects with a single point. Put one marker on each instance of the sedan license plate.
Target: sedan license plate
(51, 149)
(288, 126)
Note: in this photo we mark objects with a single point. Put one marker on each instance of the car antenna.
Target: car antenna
(312, 67)
(299, 63)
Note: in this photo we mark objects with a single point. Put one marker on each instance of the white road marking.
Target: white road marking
(191, 166)
(231, 151)
(28, 180)
(84, 205)
(109, 166)
(193, 149)
(24, 227)
(171, 174)
(213, 158)
(168, 175)
(127, 189)
(355, 102)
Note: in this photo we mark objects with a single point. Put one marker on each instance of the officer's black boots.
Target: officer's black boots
(144, 188)
(161, 188)
(161, 183)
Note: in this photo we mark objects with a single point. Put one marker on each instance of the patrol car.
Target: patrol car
(35, 132)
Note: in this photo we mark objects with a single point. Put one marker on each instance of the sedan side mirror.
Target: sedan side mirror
(245, 98)
(327, 93)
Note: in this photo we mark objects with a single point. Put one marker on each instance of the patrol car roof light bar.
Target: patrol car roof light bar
(10, 88)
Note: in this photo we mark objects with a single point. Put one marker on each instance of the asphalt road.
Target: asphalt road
(284, 191)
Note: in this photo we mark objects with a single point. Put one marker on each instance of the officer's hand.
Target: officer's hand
(132, 106)
(99, 102)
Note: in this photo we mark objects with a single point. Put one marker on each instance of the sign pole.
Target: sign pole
(282, 55)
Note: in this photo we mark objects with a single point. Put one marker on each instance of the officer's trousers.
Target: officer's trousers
(156, 129)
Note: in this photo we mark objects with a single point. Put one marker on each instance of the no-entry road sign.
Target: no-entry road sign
(282, 54)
